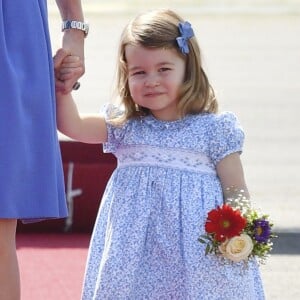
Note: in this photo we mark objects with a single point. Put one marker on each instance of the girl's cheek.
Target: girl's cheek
(133, 84)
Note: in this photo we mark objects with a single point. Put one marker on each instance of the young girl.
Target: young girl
(176, 157)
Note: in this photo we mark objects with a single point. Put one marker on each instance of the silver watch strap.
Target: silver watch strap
(73, 24)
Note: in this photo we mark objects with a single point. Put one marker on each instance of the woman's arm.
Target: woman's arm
(70, 9)
(73, 39)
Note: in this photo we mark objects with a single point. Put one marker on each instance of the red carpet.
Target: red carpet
(52, 265)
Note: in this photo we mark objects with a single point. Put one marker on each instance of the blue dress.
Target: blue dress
(145, 241)
(31, 176)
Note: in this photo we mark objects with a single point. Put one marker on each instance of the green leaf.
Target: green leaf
(202, 241)
(207, 250)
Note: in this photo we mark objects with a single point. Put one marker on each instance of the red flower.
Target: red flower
(224, 222)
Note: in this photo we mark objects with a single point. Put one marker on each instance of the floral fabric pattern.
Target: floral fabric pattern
(145, 241)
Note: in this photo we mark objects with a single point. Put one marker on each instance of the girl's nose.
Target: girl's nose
(152, 81)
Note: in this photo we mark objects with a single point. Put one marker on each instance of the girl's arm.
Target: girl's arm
(86, 129)
(231, 174)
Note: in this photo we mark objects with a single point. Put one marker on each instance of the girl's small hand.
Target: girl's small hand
(66, 68)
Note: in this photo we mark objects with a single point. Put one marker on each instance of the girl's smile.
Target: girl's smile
(155, 76)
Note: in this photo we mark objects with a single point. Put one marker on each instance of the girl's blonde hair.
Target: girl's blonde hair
(159, 29)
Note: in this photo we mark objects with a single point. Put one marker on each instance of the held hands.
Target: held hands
(67, 69)
(73, 43)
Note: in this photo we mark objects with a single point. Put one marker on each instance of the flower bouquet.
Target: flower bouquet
(236, 232)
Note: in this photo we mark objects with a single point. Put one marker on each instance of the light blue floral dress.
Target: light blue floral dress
(145, 241)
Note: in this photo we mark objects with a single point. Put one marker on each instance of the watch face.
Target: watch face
(68, 24)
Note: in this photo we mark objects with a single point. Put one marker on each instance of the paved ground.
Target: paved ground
(253, 62)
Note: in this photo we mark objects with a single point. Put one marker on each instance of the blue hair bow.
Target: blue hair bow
(186, 31)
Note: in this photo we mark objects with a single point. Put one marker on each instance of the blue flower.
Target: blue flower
(262, 230)
(186, 31)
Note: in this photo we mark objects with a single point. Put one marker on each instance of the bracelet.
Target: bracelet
(72, 24)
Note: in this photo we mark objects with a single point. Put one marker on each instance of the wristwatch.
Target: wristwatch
(72, 24)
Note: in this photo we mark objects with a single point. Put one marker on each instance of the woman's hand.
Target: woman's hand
(67, 67)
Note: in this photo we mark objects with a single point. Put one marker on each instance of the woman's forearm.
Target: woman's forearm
(70, 9)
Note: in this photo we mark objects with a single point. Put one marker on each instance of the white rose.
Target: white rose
(237, 248)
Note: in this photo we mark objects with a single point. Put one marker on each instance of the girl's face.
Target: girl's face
(155, 77)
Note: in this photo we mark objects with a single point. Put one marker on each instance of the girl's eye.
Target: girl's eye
(138, 73)
(164, 69)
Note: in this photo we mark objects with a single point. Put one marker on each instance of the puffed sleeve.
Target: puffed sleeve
(227, 136)
(115, 132)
